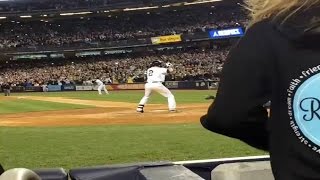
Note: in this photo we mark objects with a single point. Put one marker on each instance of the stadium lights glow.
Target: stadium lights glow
(106, 11)
(200, 2)
(26, 16)
(140, 8)
(177, 4)
(165, 6)
(76, 13)
(3, 17)
(44, 15)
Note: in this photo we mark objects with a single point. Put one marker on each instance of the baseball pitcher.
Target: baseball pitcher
(155, 77)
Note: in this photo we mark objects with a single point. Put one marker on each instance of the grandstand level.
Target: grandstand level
(52, 52)
(114, 43)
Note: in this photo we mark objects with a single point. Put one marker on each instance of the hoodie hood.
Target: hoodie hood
(303, 28)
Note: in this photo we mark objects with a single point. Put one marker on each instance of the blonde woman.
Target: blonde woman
(278, 59)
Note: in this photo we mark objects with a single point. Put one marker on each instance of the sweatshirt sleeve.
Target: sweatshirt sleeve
(245, 86)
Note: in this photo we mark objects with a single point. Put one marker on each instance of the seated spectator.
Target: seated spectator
(277, 60)
(81, 32)
(190, 65)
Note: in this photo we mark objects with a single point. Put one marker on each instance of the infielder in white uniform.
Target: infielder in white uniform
(101, 86)
(155, 78)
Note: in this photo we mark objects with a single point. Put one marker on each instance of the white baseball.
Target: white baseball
(168, 64)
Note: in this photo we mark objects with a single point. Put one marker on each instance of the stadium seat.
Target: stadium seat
(175, 172)
(106, 173)
(141, 171)
(243, 171)
(114, 172)
(52, 174)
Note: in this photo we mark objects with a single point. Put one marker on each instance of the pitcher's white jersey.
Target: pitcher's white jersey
(156, 74)
(99, 82)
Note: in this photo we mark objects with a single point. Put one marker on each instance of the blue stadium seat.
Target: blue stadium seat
(52, 174)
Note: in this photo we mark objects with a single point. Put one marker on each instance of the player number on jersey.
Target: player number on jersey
(150, 73)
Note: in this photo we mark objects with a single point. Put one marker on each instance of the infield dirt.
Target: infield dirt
(103, 113)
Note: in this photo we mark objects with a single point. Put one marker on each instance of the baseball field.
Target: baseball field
(78, 129)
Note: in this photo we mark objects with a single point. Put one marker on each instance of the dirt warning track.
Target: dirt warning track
(103, 113)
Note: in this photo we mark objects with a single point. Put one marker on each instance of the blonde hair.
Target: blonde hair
(263, 9)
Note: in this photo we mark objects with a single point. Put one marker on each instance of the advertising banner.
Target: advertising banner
(166, 39)
(17, 89)
(226, 33)
(52, 88)
(117, 51)
(186, 85)
(33, 89)
(193, 85)
(84, 88)
(108, 87)
(202, 85)
(68, 87)
(131, 86)
(172, 84)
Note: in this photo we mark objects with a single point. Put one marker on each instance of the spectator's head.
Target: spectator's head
(262, 9)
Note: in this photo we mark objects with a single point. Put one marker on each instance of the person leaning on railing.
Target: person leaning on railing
(277, 59)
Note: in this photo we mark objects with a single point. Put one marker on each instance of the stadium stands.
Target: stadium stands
(190, 65)
(78, 32)
(68, 32)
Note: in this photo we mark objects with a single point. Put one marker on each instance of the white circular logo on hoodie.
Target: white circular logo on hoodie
(306, 110)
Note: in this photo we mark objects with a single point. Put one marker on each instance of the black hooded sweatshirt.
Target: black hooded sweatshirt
(277, 61)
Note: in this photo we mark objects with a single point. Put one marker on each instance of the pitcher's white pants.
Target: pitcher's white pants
(161, 89)
(102, 86)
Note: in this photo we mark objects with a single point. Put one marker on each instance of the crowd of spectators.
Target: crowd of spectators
(66, 32)
(29, 5)
(191, 65)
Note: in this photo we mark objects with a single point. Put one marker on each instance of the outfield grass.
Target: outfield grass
(182, 96)
(71, 147)
(23, 105)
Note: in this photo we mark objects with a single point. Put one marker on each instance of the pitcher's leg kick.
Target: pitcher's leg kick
(144, 100)
(161, 89)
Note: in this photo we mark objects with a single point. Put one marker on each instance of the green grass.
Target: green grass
(23, 105)
(182, 96)
(70, 147)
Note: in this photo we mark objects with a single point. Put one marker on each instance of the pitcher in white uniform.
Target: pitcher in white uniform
(155, 77)
(101, 86)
